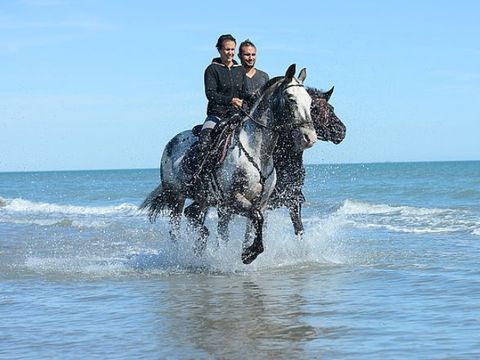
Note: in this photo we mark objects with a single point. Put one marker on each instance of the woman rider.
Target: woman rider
(225, 88)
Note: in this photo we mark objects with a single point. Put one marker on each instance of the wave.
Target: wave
(352, 207)
(408, 219)
(63, 222)
(19, 205)
(360, 214)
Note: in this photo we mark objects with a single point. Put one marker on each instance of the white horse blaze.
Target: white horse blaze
(307, 134)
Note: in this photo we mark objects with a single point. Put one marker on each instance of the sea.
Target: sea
(388, 268)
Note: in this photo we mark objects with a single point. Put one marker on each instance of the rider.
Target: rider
(256, 78)
(225, 88)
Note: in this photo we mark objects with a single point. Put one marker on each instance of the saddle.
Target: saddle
(221, 138)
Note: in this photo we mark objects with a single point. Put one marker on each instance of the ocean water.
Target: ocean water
(388, 268)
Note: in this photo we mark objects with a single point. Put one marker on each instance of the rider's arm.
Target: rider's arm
(211, 88)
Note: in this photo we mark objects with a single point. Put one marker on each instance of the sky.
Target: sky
(105, 84)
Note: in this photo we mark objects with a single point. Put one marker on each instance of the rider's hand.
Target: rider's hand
(236, 102)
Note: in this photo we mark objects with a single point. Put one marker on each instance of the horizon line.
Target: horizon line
(309, 164)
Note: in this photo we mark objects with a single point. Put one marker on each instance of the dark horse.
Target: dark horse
(289, 162)
(244, 181)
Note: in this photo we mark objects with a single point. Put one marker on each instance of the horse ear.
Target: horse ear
(326, 95)
(302, 75)
(290, 72)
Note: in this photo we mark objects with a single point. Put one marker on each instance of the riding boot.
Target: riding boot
(203, 148)
(204, 139)
(202, 156)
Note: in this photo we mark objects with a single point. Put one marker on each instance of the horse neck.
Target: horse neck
(259, 141)
(286, 156)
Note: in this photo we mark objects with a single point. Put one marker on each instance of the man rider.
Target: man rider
(256, 78)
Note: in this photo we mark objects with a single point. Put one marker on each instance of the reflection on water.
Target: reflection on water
(242, 316)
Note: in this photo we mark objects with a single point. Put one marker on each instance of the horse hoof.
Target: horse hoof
(251, 254)
(300, 235)
(248, 258)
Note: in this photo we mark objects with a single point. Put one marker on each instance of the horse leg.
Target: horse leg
(196, 213)
(250, 253)
(175, 218)
(224, 219)
(245, 207)
(250, 231)
(247, 240)
(296, 216)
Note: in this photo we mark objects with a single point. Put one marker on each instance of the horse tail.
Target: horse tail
(160, 200)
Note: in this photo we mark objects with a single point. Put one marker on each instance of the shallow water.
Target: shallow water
(388, 268)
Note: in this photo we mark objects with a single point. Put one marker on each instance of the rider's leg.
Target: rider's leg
(204, 141)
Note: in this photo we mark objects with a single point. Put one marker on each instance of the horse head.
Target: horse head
(327, 125)
(291, 109)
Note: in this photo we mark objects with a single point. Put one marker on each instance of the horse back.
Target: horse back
(170, 166)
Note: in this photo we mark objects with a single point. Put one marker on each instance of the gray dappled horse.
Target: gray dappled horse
(244, 181)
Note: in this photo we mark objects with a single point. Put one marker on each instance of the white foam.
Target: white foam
(407, 219)
(26, 206)
(75, 266)
(351, 207)
(413, 230)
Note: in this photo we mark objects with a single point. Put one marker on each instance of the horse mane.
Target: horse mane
(314, 92)
(317, 94)
(264, 93)
(270, 83)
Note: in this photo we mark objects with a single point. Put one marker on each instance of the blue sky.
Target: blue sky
(105, 84)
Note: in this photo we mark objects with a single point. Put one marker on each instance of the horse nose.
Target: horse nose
(309, 140)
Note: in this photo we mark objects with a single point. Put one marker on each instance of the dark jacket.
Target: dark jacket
(221, 85)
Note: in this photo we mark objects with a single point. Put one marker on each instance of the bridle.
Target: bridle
(279, 128)
(289, 125)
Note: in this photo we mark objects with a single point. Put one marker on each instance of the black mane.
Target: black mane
(269, 83)
(314, 92)
(263, 96)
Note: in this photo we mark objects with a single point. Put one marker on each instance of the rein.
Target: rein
(249, 157)
(251, 118)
